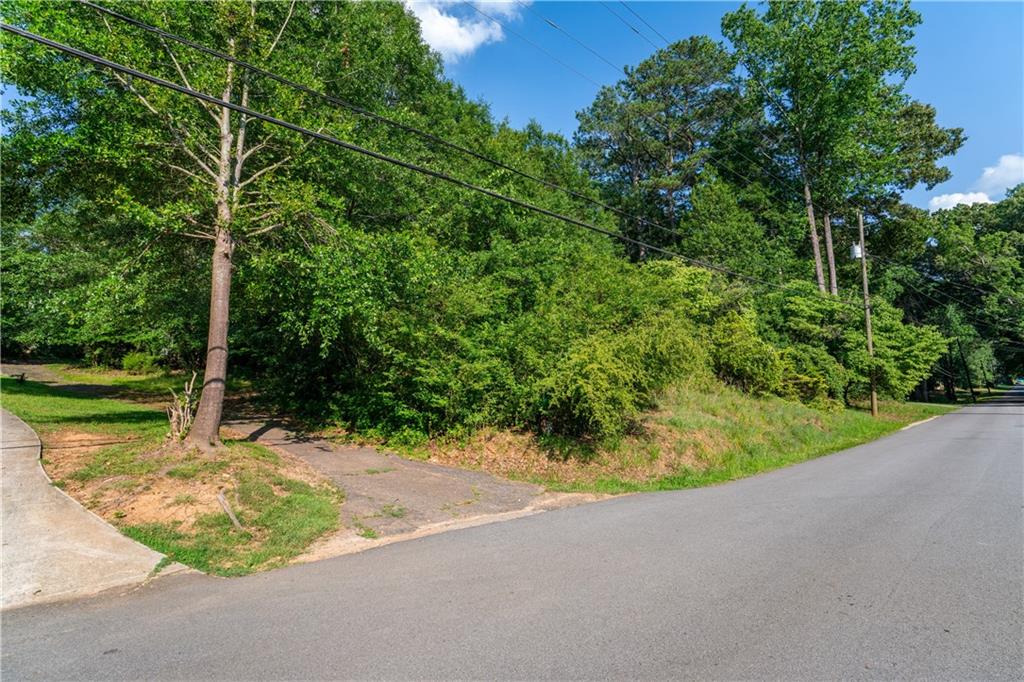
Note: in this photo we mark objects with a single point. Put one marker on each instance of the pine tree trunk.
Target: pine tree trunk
(818, 271)
(830, 255)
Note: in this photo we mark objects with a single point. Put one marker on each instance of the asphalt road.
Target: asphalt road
(899, 559)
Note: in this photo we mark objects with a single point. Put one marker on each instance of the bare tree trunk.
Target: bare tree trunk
(818, 271)
(205, 432)
(830, 255)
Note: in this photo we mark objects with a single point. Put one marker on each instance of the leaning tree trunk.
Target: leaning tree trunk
(830, 255)
(205, 431)
(818, 271)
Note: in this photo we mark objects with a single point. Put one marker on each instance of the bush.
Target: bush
(742, 358)
(592, 391)
(604, 382)
(810, 374)
(139, 363)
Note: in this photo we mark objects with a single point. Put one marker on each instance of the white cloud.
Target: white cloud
(950, 200)
(994, 180)
(457, 35)
(1009, 172)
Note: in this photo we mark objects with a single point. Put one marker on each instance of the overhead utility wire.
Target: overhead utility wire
(647, 117)
(961, 285)
(383, 119)
(404, 126)
(1015, 344)
(759, 164)
(600, 56)
(656, 31)
(533, 44)
(631, 27)
(376, 117)
(953, 299)
(353, 147)
(579, 42)
(330, 139)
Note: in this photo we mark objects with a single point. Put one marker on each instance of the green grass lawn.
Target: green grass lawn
(150, 386)
(114, 457)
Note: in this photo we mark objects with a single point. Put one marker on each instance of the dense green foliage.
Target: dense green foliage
(404, 307)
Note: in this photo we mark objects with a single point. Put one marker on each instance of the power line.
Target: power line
(533, 44)
(579, 42)
(938, 279)
(631, 27)
(656, 32)
(403, 126)
(970, 318)
(375, 116)
(388, 121)
(330, 139)
(647, 117)
(95, 59)
(659, 124)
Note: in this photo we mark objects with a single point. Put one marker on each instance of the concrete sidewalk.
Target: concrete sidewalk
(53, 548)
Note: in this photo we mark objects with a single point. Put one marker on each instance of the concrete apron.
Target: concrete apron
(52, 547)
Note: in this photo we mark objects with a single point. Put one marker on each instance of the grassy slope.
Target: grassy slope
(280, 515)
(696, 437)
(760, 434)
(703, 435)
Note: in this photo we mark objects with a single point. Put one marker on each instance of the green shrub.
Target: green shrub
(742, 358)
(139, 363)
(606, 380)
(810, 374)
(593, 390)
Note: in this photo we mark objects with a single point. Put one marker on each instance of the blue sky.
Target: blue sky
(970, 67)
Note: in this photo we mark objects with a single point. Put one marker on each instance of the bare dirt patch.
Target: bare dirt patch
(166, 484)
(68, 450)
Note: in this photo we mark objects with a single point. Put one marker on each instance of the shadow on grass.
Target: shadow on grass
(43, 404)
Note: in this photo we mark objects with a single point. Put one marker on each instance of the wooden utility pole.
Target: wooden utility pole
(867, 312)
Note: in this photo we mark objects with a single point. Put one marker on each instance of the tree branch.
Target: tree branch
(287, 18)
(263, 230)
(184, 78)
(184, 170)
(253, 150)
(264, 170)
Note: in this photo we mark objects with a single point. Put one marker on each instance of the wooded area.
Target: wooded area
(145, 227)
